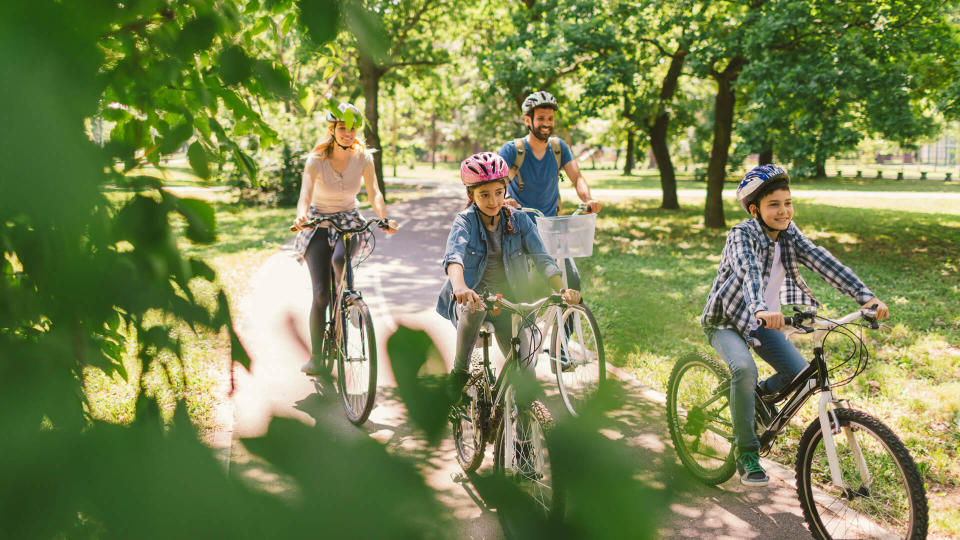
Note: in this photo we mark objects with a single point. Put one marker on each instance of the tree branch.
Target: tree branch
(409, 26)
(656, 44)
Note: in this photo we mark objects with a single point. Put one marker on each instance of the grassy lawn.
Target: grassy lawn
(652, 269)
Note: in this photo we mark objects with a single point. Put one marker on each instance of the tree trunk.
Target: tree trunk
(628, 164)
(722, 129)
(661, 152)
(766, 155)
(370, 75)
(819, 160)
(433, 141)
(658, 133)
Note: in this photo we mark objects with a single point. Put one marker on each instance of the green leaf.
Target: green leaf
(368, 29)
(274, 78)
(307, 99)
(235, 65)
(202, 270)
(262, 25)
(198, 159)
(196, 35)
(426, 398)
(176, 136)
(201, 220)
(321, 18)
(288, 21)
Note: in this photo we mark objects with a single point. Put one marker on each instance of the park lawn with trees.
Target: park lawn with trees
(651, 270)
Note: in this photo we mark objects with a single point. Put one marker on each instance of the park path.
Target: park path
(400, 283)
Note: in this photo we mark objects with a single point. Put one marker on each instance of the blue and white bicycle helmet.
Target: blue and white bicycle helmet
(754, 179)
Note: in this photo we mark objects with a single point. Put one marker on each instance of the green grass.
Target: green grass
(652, 269)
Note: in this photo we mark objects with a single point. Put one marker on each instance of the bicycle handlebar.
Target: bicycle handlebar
(581, 208)
(797, 320)
(312, 223)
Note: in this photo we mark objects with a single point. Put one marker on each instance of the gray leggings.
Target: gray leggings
(468, 329)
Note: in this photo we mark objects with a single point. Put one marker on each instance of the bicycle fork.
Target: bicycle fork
(830, 426)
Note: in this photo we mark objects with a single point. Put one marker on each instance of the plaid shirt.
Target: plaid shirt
(737, 292)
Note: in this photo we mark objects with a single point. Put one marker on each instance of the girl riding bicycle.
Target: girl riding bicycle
(758, 271)
(331, 181)
(487, 250)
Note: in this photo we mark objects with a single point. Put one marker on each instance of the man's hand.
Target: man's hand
(773, 319)
(571, 296)
(512, 202)
(877, 305)
(593, 207)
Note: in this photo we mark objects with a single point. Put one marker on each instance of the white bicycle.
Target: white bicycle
(573, 337)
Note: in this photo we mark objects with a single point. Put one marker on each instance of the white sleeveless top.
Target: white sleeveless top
(334, 192)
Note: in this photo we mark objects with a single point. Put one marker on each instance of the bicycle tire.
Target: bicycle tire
(828, 510)
(530, 468)
(584, 370)
(712, 459)
(469, 421)
(357, 361)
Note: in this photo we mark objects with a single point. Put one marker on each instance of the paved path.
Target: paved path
(400, 283)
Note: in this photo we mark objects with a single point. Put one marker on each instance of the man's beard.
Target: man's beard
(536, 132)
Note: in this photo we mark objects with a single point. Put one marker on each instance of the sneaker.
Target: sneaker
(751, 473)
(313, 366)
(455, 383)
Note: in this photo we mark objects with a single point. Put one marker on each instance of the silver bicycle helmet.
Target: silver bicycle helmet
(537, 100)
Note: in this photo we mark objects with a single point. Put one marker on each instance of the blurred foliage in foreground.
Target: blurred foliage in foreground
(79, 274)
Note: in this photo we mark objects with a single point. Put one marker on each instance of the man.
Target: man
(535, 162)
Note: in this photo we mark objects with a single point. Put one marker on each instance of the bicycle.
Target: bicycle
(864, 484)
(348, 339)
(575, 347)
(490, 412)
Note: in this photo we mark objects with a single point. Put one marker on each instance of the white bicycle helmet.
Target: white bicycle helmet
(346, 113)
(537, 100)
(754, 179)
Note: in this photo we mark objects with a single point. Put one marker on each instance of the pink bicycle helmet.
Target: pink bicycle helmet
(482, 168)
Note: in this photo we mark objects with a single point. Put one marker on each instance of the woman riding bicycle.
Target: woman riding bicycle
(758, 270)
(331, 181)
(487, 250)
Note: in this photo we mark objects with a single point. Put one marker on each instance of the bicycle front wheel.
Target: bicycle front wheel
(521, 452)
(882, 494)
(698, 415)
(357, 361)
(577, 356)
(467, 421)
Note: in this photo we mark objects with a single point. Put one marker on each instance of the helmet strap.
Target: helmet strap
(340, 145)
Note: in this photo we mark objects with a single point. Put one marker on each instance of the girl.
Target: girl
(487, 250)
(331, 181)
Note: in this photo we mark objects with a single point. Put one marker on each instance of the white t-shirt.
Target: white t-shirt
(334, 192)
(771, 292)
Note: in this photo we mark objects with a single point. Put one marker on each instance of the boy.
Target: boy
(759, 271)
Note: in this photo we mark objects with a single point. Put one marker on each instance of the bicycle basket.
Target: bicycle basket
(568, 236)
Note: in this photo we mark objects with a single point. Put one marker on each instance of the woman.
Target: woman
(331, 181)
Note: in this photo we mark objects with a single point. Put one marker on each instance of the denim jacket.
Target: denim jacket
(737, 292)
(467, 246)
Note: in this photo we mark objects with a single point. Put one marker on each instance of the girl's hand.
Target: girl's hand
(774, 319)
(391, 228)
(512, 202)
(466, 296)
(877, 305)
(571, 296)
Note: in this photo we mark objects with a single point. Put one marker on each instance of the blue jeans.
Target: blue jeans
(776, 351)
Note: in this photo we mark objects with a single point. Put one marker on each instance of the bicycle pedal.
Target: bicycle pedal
(459, 478)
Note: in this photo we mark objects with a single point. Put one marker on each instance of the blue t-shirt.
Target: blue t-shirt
(541, 188)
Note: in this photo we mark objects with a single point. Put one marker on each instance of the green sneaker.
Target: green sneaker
(751, 473)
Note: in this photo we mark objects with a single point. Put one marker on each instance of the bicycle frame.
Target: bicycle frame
(811, 380)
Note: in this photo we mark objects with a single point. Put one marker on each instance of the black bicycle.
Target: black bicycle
(492, 412)
(861, 484)
(349, 342)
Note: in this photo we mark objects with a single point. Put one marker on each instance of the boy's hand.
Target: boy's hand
(877, 305)
(773, 319)
(466, 296)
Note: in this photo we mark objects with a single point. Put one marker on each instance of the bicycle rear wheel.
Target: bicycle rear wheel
(521, 453)
(883, 494)
(357, 361)
(698, 415)
(577, 356)
(468, 434)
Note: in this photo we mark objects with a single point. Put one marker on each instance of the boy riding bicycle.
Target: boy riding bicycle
(488, 249)
(758, 271)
